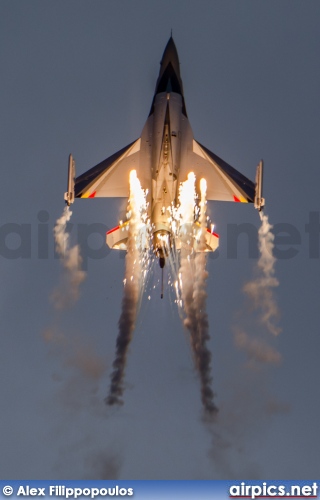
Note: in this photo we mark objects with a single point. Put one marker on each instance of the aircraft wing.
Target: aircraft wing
(110, 178)
(224, 183)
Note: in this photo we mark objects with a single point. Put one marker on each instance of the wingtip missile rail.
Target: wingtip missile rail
(69, 195)
(259, 201)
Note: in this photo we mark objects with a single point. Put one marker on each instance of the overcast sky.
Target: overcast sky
(79, 77)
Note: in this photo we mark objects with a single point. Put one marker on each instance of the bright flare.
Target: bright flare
(133, 284)
(187, 196)
(193, 284)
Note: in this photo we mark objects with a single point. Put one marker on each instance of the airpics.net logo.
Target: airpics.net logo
(266, 490)
(35, 240)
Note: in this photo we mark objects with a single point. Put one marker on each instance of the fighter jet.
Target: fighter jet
(163, 156)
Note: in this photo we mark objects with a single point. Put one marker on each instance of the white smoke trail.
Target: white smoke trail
(193, 291)
(260, 289)
(257, 350)
(132, 286)
(68, 293)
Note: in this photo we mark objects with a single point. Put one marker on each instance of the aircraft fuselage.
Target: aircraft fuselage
(163, 156)
(163, 129)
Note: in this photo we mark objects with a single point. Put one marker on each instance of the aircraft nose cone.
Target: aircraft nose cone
(169, 79)
(170, 56)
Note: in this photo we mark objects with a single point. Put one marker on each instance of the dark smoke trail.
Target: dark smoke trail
(194, 275)
(196, 321)
(203, 355)
(103, 465)
(131, 294)
(126, 326)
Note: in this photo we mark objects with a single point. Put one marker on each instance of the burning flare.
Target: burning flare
(193, 284)
(133, 281)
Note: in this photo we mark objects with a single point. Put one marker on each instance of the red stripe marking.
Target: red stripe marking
(112, 230)
(92, 195)
(236, 199)
(214, 234)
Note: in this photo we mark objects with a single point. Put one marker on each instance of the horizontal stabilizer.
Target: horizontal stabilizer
(117, 238)
(211, 238)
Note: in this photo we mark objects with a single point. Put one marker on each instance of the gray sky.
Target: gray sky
(79, 77)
